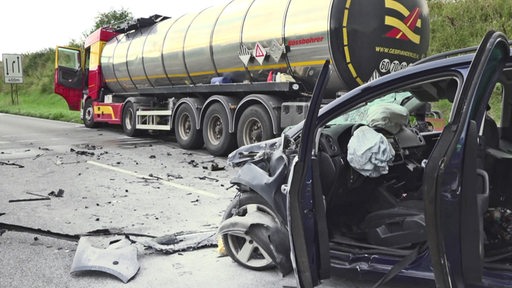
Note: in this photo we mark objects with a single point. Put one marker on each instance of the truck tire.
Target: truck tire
(185, 128)
(88, 116)
(129, 120)
(235, 243)
(216, 136)
(254, 126)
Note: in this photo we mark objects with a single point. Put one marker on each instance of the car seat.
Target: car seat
(393, 223)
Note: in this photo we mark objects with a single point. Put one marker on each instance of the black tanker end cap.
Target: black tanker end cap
(370, 43)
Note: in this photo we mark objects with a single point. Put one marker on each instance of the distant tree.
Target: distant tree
(110, 18)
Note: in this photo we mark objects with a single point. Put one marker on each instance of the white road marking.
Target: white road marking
(166, 182)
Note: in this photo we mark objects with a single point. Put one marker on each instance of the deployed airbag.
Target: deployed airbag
(388, 116)
(369, 152)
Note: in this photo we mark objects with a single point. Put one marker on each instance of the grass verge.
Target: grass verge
(50, 106)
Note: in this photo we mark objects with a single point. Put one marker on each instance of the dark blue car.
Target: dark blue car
(372, 180)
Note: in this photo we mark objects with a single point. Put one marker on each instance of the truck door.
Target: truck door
(456, 193)
(306, 211)
(69, 75)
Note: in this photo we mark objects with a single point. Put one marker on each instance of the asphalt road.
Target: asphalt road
(142, 185)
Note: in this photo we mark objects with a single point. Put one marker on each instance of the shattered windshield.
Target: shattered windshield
(360, 113)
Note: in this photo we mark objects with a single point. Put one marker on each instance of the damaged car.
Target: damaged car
(365, 183)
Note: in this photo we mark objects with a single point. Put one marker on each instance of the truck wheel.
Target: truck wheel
(129, 120)
(185, 128)
(89, 115)
(216, 136)
(239, 246)
(254, 126)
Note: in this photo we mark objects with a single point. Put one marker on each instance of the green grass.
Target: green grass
(50, 106)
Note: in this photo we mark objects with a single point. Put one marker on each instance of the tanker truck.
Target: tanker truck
(237, 73)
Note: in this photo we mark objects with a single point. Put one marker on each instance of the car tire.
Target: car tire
(234, 243)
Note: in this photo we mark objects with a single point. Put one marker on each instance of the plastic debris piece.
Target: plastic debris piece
(119, 260)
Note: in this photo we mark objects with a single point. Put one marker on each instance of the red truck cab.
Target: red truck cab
(78, 77)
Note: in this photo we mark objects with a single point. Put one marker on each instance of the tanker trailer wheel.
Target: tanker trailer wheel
(185, 128)
(88, 116)
(254, 126)
(129, 120)
(216, 136)
(239, 246)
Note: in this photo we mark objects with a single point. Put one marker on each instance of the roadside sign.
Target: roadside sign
(13, 70)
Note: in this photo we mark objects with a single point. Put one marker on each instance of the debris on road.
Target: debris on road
(59, 193)
(90, 147)
(29, 199)
(8, 163)
(155, 177)
(119, 259)
(174, 176)
(81, 152)
(181, 241)
(207, 178)
(37, 156)
(193, 163)
(213, 166)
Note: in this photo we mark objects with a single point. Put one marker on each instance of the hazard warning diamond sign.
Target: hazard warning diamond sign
(259, 53)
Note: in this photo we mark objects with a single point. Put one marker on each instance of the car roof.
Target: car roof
(436, 62)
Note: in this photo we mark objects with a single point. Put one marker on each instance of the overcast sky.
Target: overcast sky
(33, 25)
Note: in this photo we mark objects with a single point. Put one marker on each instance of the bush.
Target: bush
(463, 23)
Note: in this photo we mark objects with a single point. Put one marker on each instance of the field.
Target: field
(50, 106)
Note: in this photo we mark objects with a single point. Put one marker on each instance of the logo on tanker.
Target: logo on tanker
(403, 29)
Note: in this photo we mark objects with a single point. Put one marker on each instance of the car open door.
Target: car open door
(69, 73)
(306, 212)
(456, 187)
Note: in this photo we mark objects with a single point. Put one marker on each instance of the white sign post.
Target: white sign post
(13, 72)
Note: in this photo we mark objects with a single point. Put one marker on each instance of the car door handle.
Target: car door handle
(485, 178)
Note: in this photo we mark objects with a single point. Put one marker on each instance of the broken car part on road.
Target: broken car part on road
(121, 261)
